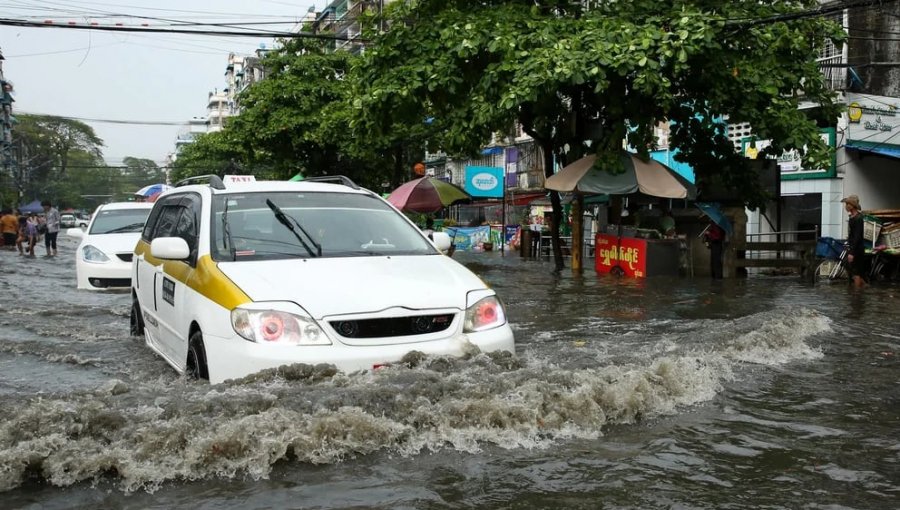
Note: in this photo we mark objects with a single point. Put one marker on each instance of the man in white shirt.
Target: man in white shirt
(52, 220)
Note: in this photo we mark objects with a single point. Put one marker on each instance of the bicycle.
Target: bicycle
(831, 267)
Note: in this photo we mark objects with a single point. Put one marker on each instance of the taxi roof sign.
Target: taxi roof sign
(238, 179)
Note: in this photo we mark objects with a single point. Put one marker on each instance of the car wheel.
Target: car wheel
(137, 320)
(196, 358)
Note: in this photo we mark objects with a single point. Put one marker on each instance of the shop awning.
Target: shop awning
(888, 151)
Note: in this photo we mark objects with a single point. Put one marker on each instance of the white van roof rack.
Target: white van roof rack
(341, 179)
(214, 181)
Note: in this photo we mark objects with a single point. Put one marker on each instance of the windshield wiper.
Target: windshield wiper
(283, 219)
(125, 228)
(228, 244)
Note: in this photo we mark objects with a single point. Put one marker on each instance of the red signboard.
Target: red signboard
(627, 253)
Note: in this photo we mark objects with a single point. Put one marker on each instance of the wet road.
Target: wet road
(667, 393)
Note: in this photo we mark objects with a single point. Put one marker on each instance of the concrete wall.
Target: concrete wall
(875, 179)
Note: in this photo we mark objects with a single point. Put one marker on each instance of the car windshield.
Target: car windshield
(119, 221)
(308, 225)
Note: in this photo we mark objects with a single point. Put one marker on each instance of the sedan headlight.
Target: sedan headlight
(277, 327)
(487, 313)
(92, 254)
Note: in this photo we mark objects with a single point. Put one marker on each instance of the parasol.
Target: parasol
(427, 194)
(648, 177)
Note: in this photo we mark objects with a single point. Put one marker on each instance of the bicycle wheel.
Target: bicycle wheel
(830, 269)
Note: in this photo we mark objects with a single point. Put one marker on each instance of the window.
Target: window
(168, 217)
(118, 221)
(335, 224)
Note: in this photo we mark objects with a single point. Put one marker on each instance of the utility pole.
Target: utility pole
(6, 101)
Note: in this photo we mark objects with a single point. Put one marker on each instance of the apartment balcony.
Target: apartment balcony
(337, 24)
(835, 72)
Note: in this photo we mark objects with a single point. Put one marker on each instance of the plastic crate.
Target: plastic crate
(891, 239)
(829, 248)
(871, 228)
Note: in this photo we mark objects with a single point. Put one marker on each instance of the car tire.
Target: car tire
(196, 358)
(137, 319)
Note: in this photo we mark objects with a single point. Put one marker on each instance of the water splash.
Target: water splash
(145, 433)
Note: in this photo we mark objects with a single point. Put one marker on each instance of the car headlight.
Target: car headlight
(92, 254)
(277, 327)
(487, 313)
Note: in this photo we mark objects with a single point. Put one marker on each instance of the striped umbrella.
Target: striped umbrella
(427, 194)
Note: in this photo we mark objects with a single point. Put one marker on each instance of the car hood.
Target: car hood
(332, 286)
(113, 243)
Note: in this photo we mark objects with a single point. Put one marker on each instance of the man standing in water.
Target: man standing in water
(52, 218)
(856, 250)
(714, 235)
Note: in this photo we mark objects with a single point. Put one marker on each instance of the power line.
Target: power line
(113, 121)
(821, 10)
(143, 8)
(151, 30)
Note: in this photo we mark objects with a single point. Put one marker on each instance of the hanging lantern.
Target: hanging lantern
(419, 168)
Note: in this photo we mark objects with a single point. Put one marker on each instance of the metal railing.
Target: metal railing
(545, 247)
(782, 249)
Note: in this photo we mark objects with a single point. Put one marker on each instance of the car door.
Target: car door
(148, 270)
(171, 285)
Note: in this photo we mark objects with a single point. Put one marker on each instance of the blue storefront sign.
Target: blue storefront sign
(484, 181)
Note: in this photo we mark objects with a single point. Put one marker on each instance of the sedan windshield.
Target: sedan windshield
(119, 221)
(255, 226)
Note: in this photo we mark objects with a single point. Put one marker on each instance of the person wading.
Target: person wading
(52, 222)
(856, 248)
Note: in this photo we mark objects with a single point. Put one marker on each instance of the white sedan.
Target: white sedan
(103, 259)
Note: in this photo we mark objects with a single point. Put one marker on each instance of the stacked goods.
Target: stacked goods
(871, 228)
(890, 236)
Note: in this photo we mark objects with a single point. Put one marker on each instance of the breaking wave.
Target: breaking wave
(143, 435)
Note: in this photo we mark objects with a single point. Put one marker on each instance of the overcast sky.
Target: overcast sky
(129, 76)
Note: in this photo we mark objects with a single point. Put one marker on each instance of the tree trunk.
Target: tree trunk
(556, 214)
(577, 232)
(398, 177)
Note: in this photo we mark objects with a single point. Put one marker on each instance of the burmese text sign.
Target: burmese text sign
(626, 253)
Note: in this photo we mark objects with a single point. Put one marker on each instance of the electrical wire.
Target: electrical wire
(112, 121)
(148, 30)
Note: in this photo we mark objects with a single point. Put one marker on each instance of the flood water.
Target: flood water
(659, 393)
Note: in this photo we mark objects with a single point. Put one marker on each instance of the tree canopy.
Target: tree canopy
(583, 77)
(60, 159)
(297, 120)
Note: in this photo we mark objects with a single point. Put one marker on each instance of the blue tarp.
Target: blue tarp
(890, 151)
(33, 207)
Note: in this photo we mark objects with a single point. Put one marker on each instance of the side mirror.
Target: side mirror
(75, 232)
(170, 248)
(441, 241)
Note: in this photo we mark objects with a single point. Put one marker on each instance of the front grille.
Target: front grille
(394, 326)
(126, 257)
(110, 282)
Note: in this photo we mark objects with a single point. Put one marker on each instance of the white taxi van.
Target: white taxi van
(230, 278)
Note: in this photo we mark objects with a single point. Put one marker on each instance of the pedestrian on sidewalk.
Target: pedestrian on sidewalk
(856, 248)
(51, 215)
